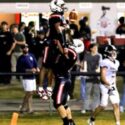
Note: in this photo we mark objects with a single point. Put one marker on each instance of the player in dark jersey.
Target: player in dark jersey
(55, 44)
(62, 86)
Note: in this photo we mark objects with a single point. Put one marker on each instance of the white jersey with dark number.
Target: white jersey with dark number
(113, 94)
(112, 68)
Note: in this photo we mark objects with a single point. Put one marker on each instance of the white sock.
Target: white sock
(117, 123)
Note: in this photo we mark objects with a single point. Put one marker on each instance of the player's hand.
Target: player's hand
(111, 90)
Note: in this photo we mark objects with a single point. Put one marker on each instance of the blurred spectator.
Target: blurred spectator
(121, 28)
(44, 24)
(22, 27)
(85, 31)
(74, 30)
(91, 64)
(74, 33)
(30, 34)
(6, 41)
(121, 31)
(27, 64)
(15, 50)
(39, 46)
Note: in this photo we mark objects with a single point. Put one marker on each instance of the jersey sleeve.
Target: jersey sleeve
(104, 63)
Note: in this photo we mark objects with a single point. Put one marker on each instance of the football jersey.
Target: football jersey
(112, 68)
(53, 19)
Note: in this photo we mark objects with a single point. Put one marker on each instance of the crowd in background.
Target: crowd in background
(14, 36)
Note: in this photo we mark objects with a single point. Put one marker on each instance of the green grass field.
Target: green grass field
(16, 90)
(44, 118)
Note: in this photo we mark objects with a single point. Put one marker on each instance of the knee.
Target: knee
(116, 106)
(56, 106)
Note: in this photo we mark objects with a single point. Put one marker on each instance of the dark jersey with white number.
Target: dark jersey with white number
(54, 34)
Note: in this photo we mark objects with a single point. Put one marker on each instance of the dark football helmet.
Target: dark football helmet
(110, 52)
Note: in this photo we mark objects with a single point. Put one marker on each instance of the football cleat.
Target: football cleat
(42, 93)
(91, 121)
(49, 91)
(72, 123)
(45, 97)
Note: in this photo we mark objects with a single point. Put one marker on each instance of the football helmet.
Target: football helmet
(78, 46)
(110, 52)
(58, 6)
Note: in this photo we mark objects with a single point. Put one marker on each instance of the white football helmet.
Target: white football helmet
(78, 46)
(57, 6)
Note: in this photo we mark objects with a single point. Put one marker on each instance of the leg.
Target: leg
(42, 93)
(94, 114)
(101, 107)
(122, 101)
(59, 96)
(88, 95)
(114, 98)
(69, 116)
(24, 104)
(116, 113)
(50, 77)
(29, 105)
(50, 82)
(42, 75)
(83, 93)
(71, 92)
(96, 96)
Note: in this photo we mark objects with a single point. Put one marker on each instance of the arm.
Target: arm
(103, 77)
(11, 49)
(14, 45)
(20, 42)
(33, 70)
(62, 45)
(98, 67)
(83, 66)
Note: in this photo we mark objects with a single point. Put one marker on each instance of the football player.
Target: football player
(63, 85)
(109, 66)
(55, 44)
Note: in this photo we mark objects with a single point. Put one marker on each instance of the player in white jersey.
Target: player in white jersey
(109, 67)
